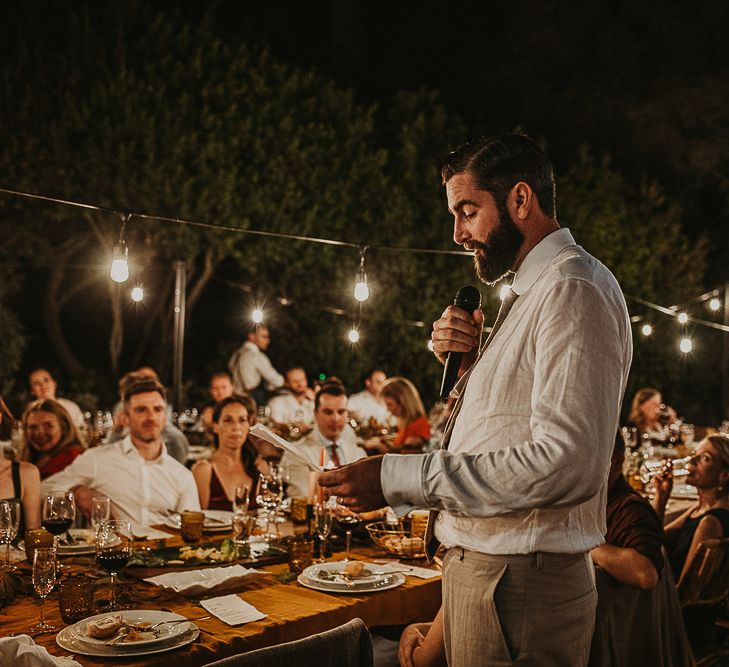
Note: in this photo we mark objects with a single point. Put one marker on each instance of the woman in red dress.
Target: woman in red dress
(403, 401)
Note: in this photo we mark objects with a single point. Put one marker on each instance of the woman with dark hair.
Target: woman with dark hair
(20, 481)
(235, 463)
(706, 519)
(51, 439)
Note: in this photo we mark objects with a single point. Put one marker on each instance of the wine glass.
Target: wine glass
(241, 499)
(9, 524)
(269, 496)
(113, 549)
(350, 520)
(323, 518)
(100, 511)
(59, 511)
(44, 578)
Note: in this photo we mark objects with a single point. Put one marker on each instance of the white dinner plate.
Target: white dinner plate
(216, 521)
(68, 642)
(84, 538)
(390, 581)
(164, 632)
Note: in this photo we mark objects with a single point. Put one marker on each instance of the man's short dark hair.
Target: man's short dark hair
(332, 387)
(254, 329)
(497, 164)
(140, 384)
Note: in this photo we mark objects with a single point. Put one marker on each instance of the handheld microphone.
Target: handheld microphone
(468, 298)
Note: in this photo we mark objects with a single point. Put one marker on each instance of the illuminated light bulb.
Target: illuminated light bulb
(646, 330)
(119, 271)
(682, 318)
(257, 315)
(430, 344)
(137, 294)
(361, 290)
(686, 345)
(504, 291)
(715, 304)
(353, 335)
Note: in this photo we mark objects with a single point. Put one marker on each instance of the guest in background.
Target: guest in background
(236, 462)
(43, 386)
(368, 404)
(251, 369)
(221, 386)
(295, 403)
(330, 434)
(706, 519)
(175, 441)
(51, 440)
(20, 480)
(403, 401)
(648, 413)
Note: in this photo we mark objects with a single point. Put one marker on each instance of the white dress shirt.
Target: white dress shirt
(249, 366)
(141, 491)
(286, 409)
(310, 446)
(364, 406)
(526, 468)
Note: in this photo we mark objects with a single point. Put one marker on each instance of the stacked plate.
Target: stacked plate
(216, 521)
(167, 637)
(331, 578)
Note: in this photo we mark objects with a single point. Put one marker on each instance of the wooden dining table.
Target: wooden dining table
(292, 611)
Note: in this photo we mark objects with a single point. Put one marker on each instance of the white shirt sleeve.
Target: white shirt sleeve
(580, 345)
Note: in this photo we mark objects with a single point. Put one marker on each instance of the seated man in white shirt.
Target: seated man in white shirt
(368, 404)
(142, 480)
(43, 387)
(331, 432)
(295, 405)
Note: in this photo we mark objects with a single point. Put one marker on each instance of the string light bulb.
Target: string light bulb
(715, 304)
(257, 316)
(137, 294)
(353, 335)
(646, 330)
(361, 289)
(682, 318)
(119, 271)
(504, 291)
(686, 345)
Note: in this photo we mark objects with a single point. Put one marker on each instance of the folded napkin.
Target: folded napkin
(232, 610)
(197, 582)
(22, 651)
(149, 533)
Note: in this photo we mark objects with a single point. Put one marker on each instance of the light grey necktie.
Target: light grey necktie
(431, 542)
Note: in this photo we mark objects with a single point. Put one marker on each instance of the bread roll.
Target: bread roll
(104, 627)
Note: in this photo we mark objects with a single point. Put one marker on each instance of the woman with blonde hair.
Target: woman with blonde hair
(706, 519)
(51, 439)
(403, 401)
(647, 411)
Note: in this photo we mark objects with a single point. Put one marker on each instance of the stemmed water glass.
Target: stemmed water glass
(44, 578)
(113, 549)
(241, 499)
(59, 511)
(9, 524)
(100, 511)
(269, 496)
(350, 520)
(323, 518)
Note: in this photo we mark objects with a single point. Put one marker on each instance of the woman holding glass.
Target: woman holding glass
(235, 465)
(51, 440)
(708, 471)
(20, 481)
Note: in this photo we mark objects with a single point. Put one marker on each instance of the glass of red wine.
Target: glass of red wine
(349, 521)
(59, 511)
(113, 549)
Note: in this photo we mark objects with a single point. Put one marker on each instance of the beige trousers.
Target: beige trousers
(534, 609)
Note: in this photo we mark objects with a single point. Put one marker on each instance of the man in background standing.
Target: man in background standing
(252, 371)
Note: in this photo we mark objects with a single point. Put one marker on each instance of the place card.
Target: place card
(232, 610)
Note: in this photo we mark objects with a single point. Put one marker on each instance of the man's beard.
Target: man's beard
(495, 257)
